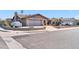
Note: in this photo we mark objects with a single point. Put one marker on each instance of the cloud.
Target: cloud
(77, 17)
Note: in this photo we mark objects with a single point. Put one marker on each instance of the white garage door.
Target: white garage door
(34, 23)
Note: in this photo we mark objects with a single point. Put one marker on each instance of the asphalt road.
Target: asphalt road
(68, 39)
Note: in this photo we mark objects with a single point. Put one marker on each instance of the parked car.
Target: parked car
(16, 24)
(67, 23)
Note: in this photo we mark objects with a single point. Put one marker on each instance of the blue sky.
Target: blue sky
(49, 13)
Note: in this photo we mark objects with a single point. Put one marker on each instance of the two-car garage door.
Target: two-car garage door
(34, 22)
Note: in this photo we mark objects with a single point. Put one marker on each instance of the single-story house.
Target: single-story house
(28, 20)
(63, 21)
(69, 21)
(34, 20)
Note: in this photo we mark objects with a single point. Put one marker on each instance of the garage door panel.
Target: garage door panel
(34, 23)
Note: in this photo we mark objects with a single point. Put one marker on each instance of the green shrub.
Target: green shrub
(77, 23)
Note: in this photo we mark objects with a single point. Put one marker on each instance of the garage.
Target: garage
(34, 23)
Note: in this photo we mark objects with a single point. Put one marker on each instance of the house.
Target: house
(69, 21)
(63, 21)
(34, 20)
(28, 20)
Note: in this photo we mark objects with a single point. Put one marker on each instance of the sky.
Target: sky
(48, 13)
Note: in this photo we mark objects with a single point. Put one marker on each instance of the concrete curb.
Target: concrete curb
(63, 29)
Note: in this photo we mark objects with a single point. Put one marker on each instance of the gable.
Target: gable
(37, 16)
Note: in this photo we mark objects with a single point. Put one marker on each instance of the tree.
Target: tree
(56, 21)
(77, 21)
(1, 22)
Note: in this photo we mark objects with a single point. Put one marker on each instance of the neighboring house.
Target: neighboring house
(64, 21)
(69, 21)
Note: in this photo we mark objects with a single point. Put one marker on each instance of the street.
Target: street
(57, 39)
(66, 39)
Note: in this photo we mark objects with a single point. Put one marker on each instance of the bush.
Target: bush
(77, 23)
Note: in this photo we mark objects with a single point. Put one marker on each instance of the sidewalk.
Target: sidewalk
(11, 43)
(51, 28)
(3, 44)
(48, 28)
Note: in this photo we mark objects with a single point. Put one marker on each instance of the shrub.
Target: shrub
(77, 23)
